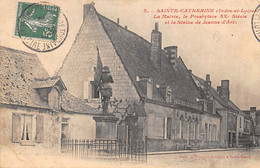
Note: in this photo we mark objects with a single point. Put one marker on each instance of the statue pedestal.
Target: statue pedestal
(106, 127)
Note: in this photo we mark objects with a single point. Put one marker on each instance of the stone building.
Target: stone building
(163, 101)
(233, 121)
(36, 111)
(252, 124)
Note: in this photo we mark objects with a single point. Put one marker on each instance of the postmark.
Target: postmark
(256, 23)
(41, 26)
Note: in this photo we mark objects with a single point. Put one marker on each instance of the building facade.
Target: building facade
(164, 103)
(233, 121)
(36, 111)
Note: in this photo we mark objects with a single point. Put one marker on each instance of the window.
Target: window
(240, 123)
(181, 128)
(90, 89)
(26, 127)
(206, 131)
(168, 96)
(149, 89)
(94, 90)
(215, 133)
(22, 128)
(210, 134)
(65, 128)
(189, 129)
(210, 107)
(167, 128)
(196, 131)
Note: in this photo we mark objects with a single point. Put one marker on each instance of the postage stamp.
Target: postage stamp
(41, 26)
(256, 23)
(37, 20)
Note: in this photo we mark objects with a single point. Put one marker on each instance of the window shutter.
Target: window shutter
(39, 128)
(16, 126)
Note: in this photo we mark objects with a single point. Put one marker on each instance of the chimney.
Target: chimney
(156, 45)
(252, 109)
(207, 84)
(225, 89)
(207, 77)
(117, 21)
(126, 27)
(171, 54)
(190, 71)
(86, 8)
(219, 90)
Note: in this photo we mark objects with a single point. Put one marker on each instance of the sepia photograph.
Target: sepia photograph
(130, 83)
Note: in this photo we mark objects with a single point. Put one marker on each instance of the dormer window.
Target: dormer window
(147, 85)
(166, 92)
(149, 89)
(168, 95)
(50, 90)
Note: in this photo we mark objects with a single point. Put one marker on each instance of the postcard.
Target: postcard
(110, 83)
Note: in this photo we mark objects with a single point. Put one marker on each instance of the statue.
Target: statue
(106, 124)
(105, 88)
(103, 80)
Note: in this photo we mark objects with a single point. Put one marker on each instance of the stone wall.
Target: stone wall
(224, 130)
(81, 126)
(50, 142)
(212, 121)
(191, 136)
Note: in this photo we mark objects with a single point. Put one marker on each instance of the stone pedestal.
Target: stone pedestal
(106, 127)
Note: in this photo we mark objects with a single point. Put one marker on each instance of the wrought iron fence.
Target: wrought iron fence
(105, 149)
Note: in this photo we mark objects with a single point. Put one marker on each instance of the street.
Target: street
(225, 159)
(216, 159)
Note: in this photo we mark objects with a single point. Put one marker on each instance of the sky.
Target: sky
(226, 52)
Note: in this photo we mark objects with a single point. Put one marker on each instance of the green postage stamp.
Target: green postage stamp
(38, 21)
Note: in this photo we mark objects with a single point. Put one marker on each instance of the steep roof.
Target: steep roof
(134, 52)
(227, 104)
(18, 71)
(19, 75)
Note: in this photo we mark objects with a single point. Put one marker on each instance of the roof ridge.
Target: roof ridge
(132, 80)
(49, 78)
(125, 28)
